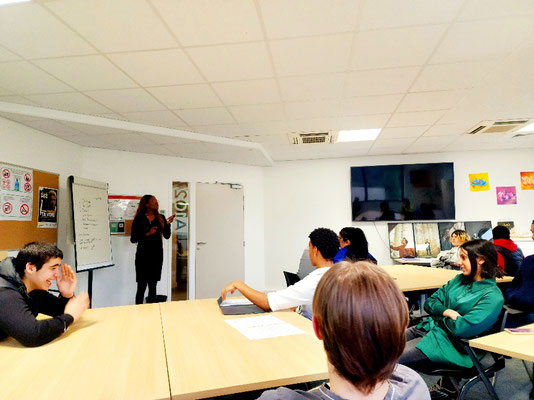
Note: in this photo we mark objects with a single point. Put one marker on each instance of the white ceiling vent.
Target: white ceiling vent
(497, 127)
(312, 137)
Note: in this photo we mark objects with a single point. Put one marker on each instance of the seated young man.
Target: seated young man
(510, 256)
(360, 315)
(24, 284)
(323, 246)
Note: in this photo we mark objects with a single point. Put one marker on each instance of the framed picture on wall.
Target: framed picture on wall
(427, 243)
(401, 240)
(445, 230)
(479, 230)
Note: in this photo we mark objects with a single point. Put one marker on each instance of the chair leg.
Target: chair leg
(530, 374)
(482, 375)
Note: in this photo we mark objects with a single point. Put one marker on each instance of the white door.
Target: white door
(220, 248)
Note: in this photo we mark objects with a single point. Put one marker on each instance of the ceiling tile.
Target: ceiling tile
(219, 130)
(308, 17)
(75, 102)
(312, 87)
(265, 128)
(424, 101)
(314, 124)
(451, 76)
(377, 151)
(118, 25)
(371, 104)
(233, 62)
(378, 82)
(126, 100)
(402, 132)
(478, 40)
(399, 143)
(483, 9)
(434, 140)
(405, 47)
(34, 32)
(87, 72)
(414, 118)
(312, 55)
(159, 118)
(206, 116)
(280, 152)
(378, 14)
(258, 113)
(445, 130)
(313, 109)
(202, 22)
(248, 92)
(186, 96)
(267, 139)
(158, 68)
(21, 77)
(363, 121)
(6, 55)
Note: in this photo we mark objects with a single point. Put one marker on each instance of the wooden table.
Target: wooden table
(416, 278)
(110, 353)
(517, 346)
(207, 357)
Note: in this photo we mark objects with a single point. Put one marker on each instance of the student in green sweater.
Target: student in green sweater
(466, 306)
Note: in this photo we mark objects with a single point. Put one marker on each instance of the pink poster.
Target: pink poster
(506, 195)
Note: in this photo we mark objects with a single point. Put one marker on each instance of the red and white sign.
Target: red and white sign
(27, 187)
(6, 173)
(7, 207)
(27, 177)
(24, 209)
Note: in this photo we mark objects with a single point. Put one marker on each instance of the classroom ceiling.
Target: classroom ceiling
(253, 71)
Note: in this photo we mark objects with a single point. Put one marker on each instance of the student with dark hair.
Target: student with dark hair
(148, 228)
(354, 246)
(322, 248)
(449, 258)
(509, 255)
(361, 316)
(466, 306)
(24, 283)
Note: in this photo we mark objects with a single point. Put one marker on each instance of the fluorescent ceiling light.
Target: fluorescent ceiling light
(5, 2)
(528, 128)
(358, 135)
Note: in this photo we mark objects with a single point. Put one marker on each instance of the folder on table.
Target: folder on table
(238, 307)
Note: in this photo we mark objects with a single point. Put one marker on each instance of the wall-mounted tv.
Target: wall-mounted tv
(408, 192)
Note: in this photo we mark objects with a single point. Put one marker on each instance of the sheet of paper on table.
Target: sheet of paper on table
(235, 302)
(263, 327)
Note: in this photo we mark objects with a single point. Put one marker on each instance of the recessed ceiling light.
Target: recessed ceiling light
(5, 2)
(358, 135)
(527, 128)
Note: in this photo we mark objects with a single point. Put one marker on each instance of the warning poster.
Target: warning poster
(16, 193)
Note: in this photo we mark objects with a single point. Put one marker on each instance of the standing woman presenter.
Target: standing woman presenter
(147, 229)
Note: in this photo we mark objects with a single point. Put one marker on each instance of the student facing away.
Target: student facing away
(24, 284)
(361, 317)
(322, 248)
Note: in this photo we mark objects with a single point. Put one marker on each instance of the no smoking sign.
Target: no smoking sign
(24, 209)
(7, 207)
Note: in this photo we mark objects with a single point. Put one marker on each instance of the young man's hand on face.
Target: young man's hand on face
(66, 283)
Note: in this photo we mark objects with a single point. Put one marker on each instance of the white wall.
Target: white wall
(132, 174)
(303, 195)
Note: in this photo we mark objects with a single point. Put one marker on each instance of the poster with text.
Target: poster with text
(479, 182)
(506, 195)
(527, 180)
(16, 193)
(47, 208)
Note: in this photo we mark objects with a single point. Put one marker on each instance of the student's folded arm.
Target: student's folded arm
(18, 322)
(48, 303)
(435, 304)
(477, 320)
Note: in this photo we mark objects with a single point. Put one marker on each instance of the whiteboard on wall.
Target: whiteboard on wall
(92, 239)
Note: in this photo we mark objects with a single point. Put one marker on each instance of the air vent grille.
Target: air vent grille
(300, 138)
(497, 127)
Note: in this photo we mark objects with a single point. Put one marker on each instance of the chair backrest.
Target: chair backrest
(291, 278)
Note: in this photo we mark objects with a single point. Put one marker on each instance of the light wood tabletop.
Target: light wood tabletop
(207, 357)
(110, 353)
(415, 277)
(513, 345)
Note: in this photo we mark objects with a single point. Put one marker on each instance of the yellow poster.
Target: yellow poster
(479, 182)
(527, 180)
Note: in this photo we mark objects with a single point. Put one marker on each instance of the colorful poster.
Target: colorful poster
(47, 208)
(506, 195)
(479, 182)
(527, 180)
(121, 208)
(16, 193)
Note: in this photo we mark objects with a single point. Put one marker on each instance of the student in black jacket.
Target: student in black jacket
(24, 284)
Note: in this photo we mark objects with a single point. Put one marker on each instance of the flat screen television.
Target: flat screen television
(408, 192)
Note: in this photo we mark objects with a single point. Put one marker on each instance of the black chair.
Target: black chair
(291, 278)
(479, 372)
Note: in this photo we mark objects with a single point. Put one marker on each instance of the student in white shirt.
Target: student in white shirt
(323, 246)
